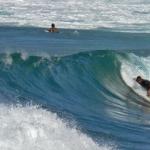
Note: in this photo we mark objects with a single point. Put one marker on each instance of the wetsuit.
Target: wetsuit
(145, 84)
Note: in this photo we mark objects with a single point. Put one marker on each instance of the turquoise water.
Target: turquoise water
(74, 90)
(74, 86)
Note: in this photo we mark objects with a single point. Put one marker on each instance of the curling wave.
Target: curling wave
(96, 89)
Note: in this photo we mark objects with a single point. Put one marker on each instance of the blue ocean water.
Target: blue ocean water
(74, 90)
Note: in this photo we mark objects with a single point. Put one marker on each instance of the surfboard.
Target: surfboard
(46, 31)
(138, 90)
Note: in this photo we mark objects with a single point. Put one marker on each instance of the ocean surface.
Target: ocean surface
(74, 90)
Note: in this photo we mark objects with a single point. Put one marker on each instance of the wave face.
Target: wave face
(92, 93)
(117, 15)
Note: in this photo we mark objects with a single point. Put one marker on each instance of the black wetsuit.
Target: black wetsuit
(145, 84)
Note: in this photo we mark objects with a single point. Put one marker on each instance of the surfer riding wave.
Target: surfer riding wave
(144, 83)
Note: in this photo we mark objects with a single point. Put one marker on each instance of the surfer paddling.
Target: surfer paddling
(144, 83)
(53, 28)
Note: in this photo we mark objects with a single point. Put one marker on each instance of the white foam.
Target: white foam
(32, 128)
(76, 32)
(24, 55)
(137, 66)
(7, 60)
(130, 15)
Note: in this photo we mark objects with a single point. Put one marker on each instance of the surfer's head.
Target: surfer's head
(139, 79)
(53, 25)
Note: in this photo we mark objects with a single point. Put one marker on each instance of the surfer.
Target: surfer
(144, 83)
(53, 28)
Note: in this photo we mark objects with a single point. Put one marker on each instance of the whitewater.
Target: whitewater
(33, 128)
(117, 15)
(76, 89)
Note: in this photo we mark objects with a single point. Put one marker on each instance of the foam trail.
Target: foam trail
(32, 128)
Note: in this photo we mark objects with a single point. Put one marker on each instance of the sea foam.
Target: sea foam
(32, 128)
(119, 15)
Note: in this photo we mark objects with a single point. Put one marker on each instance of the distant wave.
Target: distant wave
(119, 15)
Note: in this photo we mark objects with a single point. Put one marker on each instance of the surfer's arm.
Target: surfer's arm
(56, 30)
(148, 93)
(50, 30)
(53, 30)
